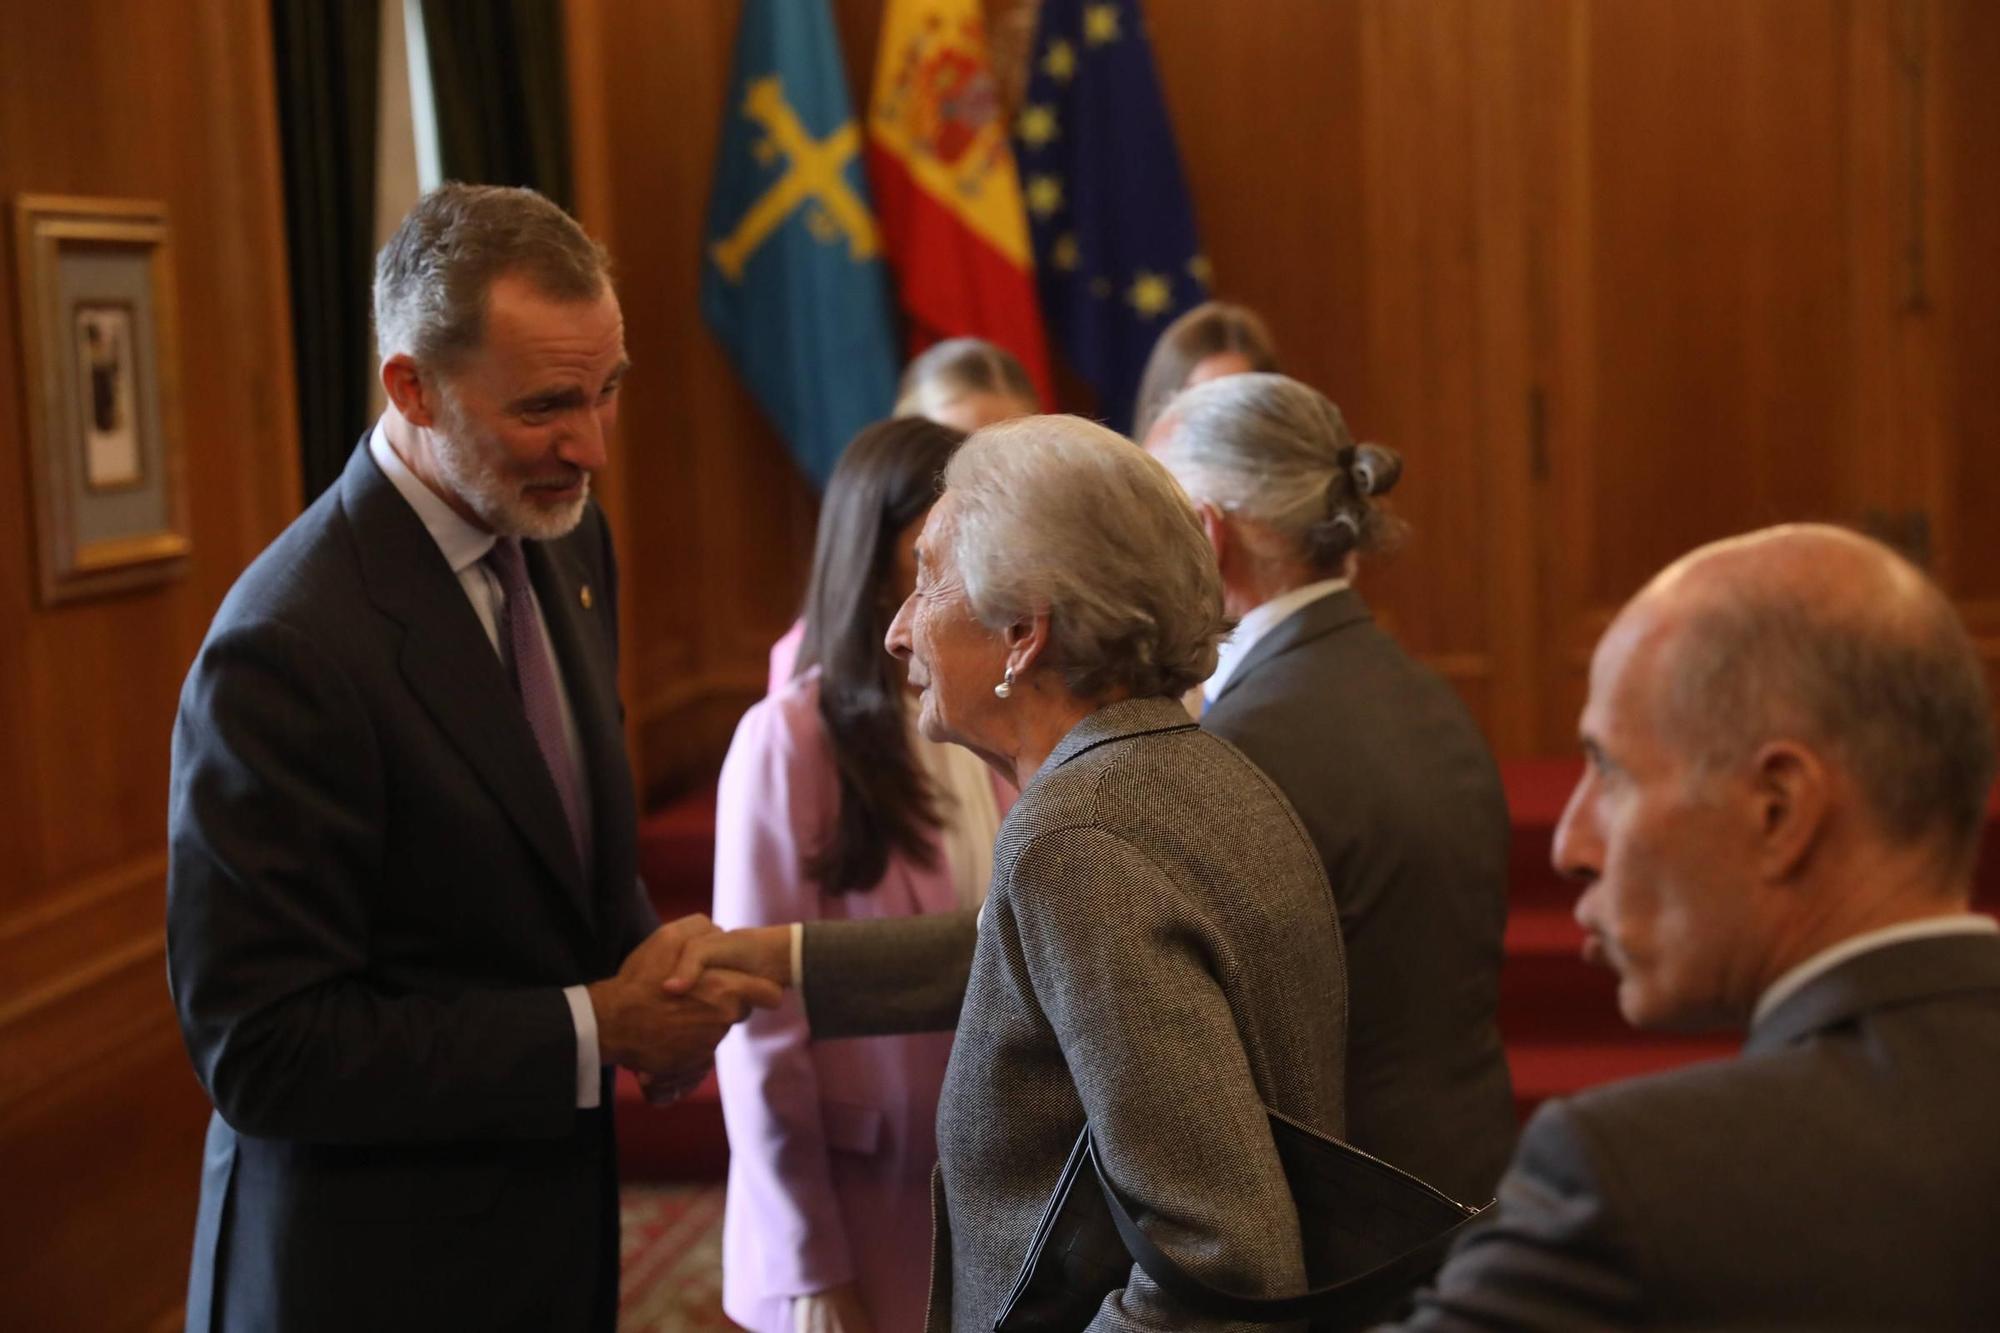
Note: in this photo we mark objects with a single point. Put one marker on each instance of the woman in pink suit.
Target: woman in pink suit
(832, 807)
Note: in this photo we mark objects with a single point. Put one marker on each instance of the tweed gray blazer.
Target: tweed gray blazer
(1159, 952)
(1843, 1173)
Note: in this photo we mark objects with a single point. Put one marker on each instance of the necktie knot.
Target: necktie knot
(510, 564)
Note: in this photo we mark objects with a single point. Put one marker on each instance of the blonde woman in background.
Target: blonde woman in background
(1212, 340)
(964, 383)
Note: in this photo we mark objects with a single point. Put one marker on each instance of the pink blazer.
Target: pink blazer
(831, 1143)
(784, 656)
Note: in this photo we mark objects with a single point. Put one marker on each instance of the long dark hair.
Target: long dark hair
(886, 479)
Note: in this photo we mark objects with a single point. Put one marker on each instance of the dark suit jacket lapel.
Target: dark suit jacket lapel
(1333, 612)
(590, 675)
(452, 668)
(1897, 974)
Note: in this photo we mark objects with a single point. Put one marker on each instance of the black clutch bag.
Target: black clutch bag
(1371, 1234)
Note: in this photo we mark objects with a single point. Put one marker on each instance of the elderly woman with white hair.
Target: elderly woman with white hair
(1159, 955)
(1379, 756)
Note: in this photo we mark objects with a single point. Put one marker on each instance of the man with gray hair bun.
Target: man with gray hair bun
(1377, 754)
(1789, 748)
(405, 934)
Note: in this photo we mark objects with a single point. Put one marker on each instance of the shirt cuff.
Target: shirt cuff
(589, 1071)
(799, 962)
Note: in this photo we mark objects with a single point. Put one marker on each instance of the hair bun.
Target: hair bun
(1375, 469)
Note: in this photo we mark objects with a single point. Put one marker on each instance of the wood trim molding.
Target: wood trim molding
(80, 1018)
(83, 894)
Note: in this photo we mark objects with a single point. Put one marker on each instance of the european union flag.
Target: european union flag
(1115, 247)
(792, 276)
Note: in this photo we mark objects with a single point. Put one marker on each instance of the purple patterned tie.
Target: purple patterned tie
(535, 678)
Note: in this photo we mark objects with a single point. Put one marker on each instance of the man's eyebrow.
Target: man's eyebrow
(563, 399)
(547, 400)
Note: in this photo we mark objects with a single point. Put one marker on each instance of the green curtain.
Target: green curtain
(500, 92)
(327, 71)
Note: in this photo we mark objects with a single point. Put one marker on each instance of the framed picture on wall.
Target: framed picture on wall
(98, 340)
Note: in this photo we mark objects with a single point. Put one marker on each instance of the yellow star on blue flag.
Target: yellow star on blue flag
(1117, 256)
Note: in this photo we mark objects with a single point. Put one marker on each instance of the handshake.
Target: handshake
(678, 994)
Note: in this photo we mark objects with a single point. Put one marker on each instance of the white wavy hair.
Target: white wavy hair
(1059, 514)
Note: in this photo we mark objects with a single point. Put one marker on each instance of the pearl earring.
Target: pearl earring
(1006, 686)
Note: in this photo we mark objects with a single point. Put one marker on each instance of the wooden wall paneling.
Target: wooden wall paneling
(102, 1174)
(1353, 169)
(1891, 219)
(1961, 236)
(1502, 490)
(100, 1118)
(1564, 294)
(1266, 106)
(1424, 259)
(1617, 279)
(584, 56)
(716, 521)
(1700, 255)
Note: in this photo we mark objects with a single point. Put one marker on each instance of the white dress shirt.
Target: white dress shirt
(1261, 621)
(1792, 982)
(464, 547)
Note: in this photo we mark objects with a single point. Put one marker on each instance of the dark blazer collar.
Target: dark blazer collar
(451, 666)
(1884, 978)
(1114, 722)
(1317, 619)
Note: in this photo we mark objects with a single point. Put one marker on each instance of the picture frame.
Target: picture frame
(101, 369)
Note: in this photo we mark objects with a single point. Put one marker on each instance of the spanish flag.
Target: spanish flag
(946, 192)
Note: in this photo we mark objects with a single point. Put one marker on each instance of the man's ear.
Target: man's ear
(1792, 796)
(1026, 641)
(409, 390)
(1216, 525)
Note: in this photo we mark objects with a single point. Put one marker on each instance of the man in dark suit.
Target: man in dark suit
(1789, 748)
(405, 932)
(1383, 763)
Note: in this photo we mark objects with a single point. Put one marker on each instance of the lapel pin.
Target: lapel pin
(583, 595)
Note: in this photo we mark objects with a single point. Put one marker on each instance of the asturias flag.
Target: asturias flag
(944, 179)
(1114, 234)
(792, 275)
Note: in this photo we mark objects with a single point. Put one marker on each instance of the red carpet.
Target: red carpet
(672, 1256)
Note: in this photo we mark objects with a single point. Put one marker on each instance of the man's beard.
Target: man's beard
(463, 464)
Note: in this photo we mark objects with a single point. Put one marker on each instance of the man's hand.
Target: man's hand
(760, 951)
(671, 1037)
(659, 952)
(835, 1310)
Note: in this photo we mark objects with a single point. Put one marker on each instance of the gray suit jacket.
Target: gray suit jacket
(1159, 953)
(1395, 785)
(1844, 1172)
(373, 903)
